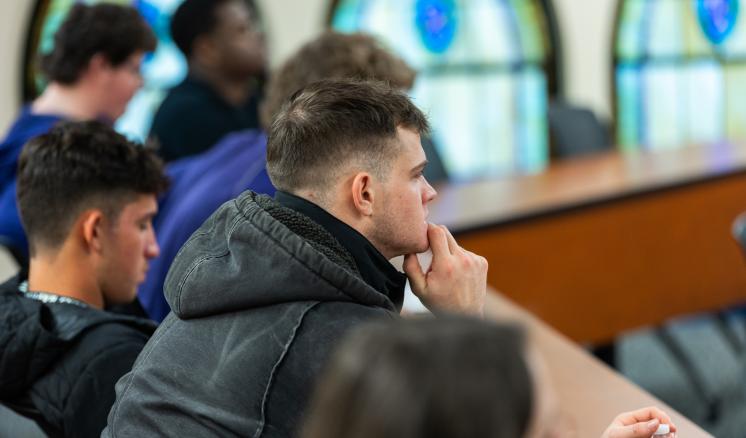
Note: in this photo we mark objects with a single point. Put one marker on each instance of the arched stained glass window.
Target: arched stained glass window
(161, 70)
(680, 72)
(482, 75)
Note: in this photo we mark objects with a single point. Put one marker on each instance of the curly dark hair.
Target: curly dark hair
(334, 55)
(76, 166)
(114, 31)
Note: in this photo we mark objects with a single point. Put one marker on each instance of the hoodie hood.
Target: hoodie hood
(253, 252)
(34, 335)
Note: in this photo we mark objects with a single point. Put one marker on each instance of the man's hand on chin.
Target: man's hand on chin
(456, 280)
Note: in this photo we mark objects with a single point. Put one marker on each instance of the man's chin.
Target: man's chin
(422, 247)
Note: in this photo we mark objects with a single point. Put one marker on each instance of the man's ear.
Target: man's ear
(363, 193)
(204, 50)
(91, 226)
(97, 65)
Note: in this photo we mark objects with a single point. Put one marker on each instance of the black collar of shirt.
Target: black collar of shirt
(378, 272)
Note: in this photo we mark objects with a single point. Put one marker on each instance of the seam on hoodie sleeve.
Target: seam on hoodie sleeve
(236, 220)
(286, 348)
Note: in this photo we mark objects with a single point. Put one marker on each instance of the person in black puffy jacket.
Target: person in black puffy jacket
(86, 197)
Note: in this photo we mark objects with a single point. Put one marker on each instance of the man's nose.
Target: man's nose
(430, 192)
(152, 249)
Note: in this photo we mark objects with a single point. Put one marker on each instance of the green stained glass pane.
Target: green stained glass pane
(346, 16)
(486, 34)
(664, 107)
(694, 40)
(665, 33)
(532, 29)
(57, 12)
(735, 102)
(735, 45)
(629, 44)
(472, 142)
(703, 104)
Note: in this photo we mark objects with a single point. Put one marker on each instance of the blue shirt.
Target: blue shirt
(26, 127)
(199, 185)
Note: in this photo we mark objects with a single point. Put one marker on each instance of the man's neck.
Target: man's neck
(73, 102)
(372, 264)
(235, 91)
(343, 211)
(55, 274)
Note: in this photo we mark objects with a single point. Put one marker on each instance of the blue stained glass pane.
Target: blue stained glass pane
(718, 18)
(437, 22)
(346, 17)
(532, 156)
(629, 131)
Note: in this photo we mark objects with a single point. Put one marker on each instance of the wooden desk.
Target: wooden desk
(591, 393)
(600, 245)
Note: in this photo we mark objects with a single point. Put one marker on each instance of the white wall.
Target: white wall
(586, 27)
(14, 21)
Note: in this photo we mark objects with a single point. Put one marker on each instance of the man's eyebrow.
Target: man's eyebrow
(148, 215)
(420, 166)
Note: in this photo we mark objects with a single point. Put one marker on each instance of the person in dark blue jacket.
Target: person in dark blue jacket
(93, 72)
(201, 184)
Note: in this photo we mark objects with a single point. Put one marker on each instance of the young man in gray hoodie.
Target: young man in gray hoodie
(264, 290)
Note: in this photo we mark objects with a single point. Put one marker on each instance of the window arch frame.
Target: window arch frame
(552, 64)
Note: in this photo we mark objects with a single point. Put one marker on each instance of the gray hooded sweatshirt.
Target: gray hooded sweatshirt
(259, 294)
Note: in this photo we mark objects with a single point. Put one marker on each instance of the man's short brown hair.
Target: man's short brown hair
(335, 122)
(77, 166)
(334, 55)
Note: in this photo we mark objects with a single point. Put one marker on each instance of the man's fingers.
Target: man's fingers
(438, 242)
(643, 415)
(452, 244)
(414, 272)
(637, 430)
